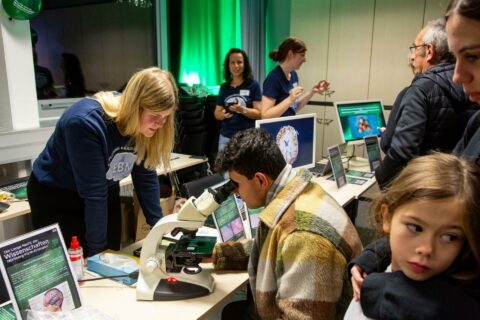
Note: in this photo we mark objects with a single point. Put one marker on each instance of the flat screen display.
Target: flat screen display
(335, 159)
(358, 119)
(228, 220)
(295, 136)
(373, 152)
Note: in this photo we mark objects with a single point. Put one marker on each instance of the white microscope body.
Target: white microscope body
(154, 281)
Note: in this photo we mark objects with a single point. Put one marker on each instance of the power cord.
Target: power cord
(132, 275)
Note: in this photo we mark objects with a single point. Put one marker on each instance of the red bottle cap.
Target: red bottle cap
(74, 243)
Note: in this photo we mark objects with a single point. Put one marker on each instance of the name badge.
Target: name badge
(244, 92)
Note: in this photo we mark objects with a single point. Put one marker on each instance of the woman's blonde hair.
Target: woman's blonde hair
(150, 89)
(440, 176)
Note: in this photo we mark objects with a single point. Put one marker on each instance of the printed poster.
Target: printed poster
(37, 271)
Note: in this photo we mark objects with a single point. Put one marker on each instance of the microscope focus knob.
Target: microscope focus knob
(152, 264)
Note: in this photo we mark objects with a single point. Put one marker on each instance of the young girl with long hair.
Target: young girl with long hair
(431, 216)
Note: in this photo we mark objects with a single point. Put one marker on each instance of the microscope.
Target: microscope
(173, 272)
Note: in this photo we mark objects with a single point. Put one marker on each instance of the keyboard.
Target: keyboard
(320, 169)
(18, 187)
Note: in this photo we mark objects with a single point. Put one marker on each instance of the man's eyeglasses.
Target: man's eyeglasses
(414, 47)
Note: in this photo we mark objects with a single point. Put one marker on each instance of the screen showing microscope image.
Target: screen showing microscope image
(358, 119)
(228, 221)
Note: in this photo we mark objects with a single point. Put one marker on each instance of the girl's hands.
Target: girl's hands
(357, 279)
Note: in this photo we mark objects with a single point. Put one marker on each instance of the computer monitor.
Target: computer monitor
(358, 119)
(295, 136)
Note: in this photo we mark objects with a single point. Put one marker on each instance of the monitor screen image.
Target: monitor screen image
(359, 119)
(228, 220)
(295, 136)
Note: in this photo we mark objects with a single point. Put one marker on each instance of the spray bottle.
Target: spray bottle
(75, 253)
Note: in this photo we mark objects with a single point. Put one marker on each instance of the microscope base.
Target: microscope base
(178, 290)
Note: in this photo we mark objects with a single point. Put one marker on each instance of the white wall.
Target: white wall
(361, 47)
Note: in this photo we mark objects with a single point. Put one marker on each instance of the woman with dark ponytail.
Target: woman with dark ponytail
(282, 94)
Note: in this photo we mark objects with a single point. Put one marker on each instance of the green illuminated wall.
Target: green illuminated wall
(209, 29)
(277, 28)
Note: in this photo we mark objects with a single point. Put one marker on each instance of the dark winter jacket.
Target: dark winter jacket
(430, 114)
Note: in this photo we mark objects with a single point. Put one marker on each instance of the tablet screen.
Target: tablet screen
(337, 166)
(228, 221)
(373, 152)
(7, 310)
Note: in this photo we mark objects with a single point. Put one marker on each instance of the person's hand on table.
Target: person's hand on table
(229, 255)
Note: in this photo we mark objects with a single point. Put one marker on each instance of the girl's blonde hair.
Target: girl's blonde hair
(435, 177)
(150, 89)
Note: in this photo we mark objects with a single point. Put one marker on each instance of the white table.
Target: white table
(349, 194)
(119, 300)
(17, 208)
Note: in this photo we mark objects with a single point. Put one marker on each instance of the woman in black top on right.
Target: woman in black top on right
(463, 30)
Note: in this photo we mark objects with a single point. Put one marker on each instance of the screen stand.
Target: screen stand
(350, 149)
(358, 162)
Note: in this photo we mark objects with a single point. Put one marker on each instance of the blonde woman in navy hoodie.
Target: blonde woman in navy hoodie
(97, 142)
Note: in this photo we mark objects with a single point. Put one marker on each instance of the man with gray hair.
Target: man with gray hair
(431, 113)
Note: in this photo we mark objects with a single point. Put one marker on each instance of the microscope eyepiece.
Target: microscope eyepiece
(221, 194)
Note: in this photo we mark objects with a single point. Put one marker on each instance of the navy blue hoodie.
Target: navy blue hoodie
(87, 154)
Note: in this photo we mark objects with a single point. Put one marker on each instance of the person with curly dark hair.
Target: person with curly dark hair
(297, 261)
